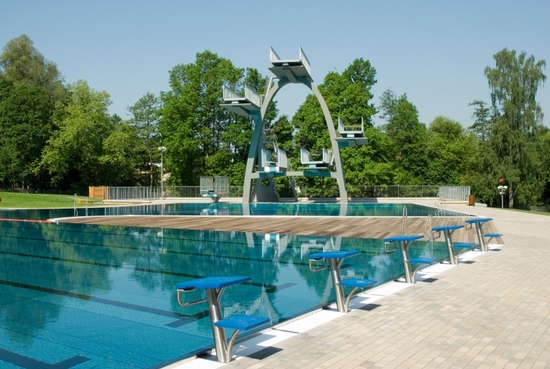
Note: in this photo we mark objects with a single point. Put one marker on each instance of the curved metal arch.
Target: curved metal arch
(338, 174)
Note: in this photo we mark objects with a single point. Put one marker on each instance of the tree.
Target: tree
(348, 96)
(121, 154)
(32, 87)
(72, 155)
(408, 136)
(452, 153)
(517, 123)
(25, 126)
(145, 120)
(482, 118)
(202, 137)
(22, 63)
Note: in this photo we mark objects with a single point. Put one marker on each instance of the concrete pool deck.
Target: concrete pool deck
(492, 313)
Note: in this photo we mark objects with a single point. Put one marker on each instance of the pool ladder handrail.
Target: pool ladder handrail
(404, 221)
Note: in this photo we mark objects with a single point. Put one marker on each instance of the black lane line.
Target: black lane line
(182, 319)
(29, 363)
(100, 300)
(109, 265)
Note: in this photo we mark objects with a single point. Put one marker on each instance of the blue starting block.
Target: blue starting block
(404, 243)
(454, 249)
(334, 260)
(482, 238)
(214, 287)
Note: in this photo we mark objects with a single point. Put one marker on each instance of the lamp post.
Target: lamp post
(162, 150)
(502, 190)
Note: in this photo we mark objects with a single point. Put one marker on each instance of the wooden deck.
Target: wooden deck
(360, 227)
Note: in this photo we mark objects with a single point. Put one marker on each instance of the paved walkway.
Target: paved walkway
(493, 313)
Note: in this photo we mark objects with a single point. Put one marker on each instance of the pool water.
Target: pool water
(90, 296)
(259, 209)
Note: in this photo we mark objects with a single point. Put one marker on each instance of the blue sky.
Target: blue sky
(434, 51)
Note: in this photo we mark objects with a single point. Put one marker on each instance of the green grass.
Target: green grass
(27, 200)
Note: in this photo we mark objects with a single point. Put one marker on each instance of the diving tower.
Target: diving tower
(264, 163)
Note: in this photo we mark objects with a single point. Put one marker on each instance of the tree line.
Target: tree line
(56, 136)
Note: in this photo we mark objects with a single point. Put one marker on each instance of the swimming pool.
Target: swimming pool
(258, 209)
(89, 296)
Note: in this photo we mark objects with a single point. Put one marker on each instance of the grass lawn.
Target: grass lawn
(29, 200)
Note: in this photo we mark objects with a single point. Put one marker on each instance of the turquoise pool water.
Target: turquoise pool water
(85, 296)
(260, 209)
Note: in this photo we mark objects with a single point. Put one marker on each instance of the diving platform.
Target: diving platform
(291, 69)
(324, 163)
(214, 187)
(268, 165)
(241, 105)
(351, 136)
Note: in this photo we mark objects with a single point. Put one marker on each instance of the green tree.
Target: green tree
(348, 96)
(452, 153)
(32, 87)
(72, 155)
(408, 136)
(25, 126)
(517, 123)
(202, 137)
(145, 120)
(482, 123)
(22, 63)
(371, 164)
(543, 147)
(121, 155)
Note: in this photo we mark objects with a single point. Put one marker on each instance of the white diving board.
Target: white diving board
(351, 135)
(269, 166)
(320, 164)
(292, 69)
(241, 105)
(214, 188)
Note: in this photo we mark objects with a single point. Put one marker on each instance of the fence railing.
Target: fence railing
(131, 193)
(456, 193)
(394, 191)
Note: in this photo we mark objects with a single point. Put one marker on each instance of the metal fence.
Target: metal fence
(457, 193)
(131, 193)
(394, 191)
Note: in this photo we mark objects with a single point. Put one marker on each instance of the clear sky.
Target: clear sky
(434, 51)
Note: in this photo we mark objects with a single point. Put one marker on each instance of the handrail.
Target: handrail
(190, 303)
(404, 221)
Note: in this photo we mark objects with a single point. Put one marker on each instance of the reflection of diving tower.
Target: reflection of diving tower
(261, 162)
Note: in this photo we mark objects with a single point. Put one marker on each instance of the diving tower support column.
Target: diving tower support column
(253, 153)
(338, 173)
